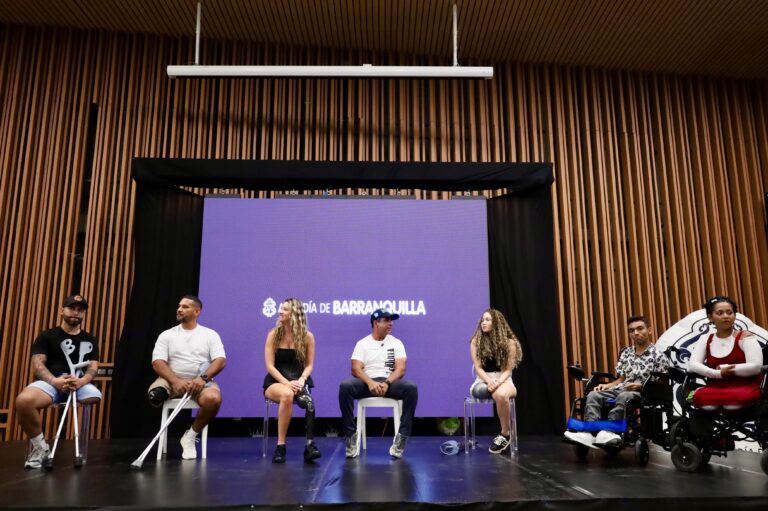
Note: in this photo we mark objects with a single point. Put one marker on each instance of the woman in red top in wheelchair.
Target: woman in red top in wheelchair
(729, 359)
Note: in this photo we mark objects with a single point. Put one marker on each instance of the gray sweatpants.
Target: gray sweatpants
(596, 401)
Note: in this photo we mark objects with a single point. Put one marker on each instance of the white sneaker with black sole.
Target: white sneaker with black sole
(36, 456)
(499, 444)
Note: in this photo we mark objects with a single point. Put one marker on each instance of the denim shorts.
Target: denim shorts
(87, 391)
(479, 389)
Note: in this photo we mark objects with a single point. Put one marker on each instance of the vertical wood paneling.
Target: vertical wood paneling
(658, 200)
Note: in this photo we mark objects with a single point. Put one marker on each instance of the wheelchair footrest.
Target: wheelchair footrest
(617, 426)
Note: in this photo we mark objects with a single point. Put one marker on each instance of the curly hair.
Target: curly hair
(298, 324)
(494, 344)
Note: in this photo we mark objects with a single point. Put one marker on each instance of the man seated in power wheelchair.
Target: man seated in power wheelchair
(732, 404)
(628, 410)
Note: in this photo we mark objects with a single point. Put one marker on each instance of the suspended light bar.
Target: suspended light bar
(364, 71)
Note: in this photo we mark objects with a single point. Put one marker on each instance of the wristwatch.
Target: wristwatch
(205, 377)
(389, 383)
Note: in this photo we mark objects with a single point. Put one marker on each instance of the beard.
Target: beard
(72, 320)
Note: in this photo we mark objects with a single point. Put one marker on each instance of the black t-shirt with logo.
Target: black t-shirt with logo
(49, 342)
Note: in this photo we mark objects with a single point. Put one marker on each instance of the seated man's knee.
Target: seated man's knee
(25, 402)
(410, 388)
(209, 400)
(31, 399)
(347, 386)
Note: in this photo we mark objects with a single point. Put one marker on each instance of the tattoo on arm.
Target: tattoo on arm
(38, 368)
(92, 370)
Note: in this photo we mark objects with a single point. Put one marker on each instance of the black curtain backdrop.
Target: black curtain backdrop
(521, 267)
(168, 229)
(168, 233)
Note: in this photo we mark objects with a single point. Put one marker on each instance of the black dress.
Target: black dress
(288, 365)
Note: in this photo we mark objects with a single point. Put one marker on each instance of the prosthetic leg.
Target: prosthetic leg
(305, 402)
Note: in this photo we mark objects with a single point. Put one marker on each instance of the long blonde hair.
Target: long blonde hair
(298, 324)
(494, 345)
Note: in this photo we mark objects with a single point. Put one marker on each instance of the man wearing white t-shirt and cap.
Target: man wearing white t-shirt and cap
(378, 366)
(186, 358)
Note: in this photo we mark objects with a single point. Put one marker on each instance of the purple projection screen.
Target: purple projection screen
(426, 260)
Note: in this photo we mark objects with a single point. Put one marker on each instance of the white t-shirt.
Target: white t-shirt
(185, 350)
(378, 357)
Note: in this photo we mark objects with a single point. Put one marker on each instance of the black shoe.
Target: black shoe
(499, 445)
(311, 452)
(279, 456)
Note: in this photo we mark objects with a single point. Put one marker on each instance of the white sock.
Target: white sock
(39, 441)
(191, 432)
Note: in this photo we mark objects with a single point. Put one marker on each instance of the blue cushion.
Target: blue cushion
(617, 426)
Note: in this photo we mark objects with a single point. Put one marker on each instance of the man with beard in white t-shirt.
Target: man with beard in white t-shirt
(378, 366)
(179, 354)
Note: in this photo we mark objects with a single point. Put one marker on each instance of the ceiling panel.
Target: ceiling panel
(708, 37)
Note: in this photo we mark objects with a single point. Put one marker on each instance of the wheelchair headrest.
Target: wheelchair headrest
(576, 372)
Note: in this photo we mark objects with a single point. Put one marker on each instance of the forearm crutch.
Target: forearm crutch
(138, 462)
(48, 460)
(68, 347)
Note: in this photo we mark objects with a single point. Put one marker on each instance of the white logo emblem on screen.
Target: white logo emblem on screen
(269, 308)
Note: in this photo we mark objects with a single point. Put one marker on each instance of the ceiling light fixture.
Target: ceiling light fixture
(364, 71)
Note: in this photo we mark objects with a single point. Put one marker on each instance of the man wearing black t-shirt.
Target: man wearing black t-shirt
(53, 383)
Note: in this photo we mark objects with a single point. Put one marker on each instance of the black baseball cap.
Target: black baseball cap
(383, 313)
(75, 300)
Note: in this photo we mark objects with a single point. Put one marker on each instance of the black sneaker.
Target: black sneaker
(499, 445)
(311, 452)
(279, 456)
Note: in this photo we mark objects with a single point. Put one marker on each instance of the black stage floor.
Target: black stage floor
(546, 475)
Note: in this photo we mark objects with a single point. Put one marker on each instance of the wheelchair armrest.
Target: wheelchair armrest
(691, 382)
(677, 374)
(602, 374)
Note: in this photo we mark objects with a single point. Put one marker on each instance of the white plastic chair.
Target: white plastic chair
(376, 402)
(168, 407)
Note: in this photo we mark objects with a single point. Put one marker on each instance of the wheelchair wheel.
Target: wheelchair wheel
(582, 451)
(677, 432)
(686, 457)
(764, 461)
(642, 452)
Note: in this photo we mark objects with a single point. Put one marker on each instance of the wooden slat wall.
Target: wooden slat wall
(658, 199)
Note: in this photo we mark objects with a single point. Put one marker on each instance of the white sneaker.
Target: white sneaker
(397, 448)
(580, 437)
(36, 455)
(608, 438)
(352, 448)
(188, 448)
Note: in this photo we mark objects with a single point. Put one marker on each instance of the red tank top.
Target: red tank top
(736, 356)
